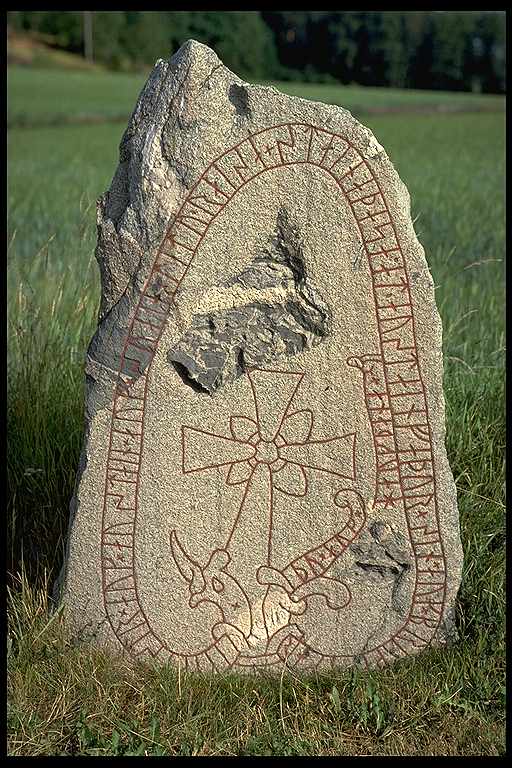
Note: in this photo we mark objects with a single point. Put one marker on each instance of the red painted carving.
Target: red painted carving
(269, 454)
(395, 399)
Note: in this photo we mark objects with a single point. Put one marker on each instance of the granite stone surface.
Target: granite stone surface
(264, 479)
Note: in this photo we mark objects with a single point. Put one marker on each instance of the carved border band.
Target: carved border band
(394, 389)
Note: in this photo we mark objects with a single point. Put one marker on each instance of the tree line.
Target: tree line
(449, 50)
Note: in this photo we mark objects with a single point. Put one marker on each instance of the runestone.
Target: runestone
(263, 481)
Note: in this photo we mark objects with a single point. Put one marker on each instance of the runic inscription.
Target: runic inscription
(326, 489)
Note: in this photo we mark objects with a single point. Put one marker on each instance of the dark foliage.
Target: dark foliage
(449, 50)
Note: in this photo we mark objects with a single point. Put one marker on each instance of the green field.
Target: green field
(72, 701)
(50, 96)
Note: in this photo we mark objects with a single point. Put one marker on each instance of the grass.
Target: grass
(33, 50)
(40, 96)
(51, 97)
(363, 100)
(67, 700)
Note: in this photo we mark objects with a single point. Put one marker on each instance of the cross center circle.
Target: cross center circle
(266, 452)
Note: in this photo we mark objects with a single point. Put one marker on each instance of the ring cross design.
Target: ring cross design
(272, 450)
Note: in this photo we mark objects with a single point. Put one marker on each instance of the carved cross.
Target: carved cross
(272, 451)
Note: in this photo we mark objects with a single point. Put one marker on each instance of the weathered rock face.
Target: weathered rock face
(264, 478)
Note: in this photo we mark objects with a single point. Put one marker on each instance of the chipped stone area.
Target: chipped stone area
(239, 97)
(268, 311)
(381, 554)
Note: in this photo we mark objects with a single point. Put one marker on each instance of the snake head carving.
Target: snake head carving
(212, 583)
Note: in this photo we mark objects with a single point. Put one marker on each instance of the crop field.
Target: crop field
(67, 700)
(52, 96)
